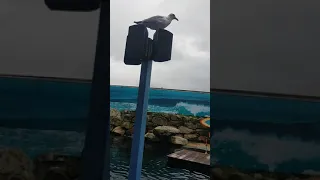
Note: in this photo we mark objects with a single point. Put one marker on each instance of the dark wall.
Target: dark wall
(266, 45)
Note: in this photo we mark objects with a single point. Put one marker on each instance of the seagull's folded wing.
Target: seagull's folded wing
(153, 19)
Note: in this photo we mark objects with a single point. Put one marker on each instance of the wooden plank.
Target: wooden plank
(190, 160)
(205, 159)
(191, 156)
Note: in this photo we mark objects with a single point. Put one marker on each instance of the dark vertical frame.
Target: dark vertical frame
(96, 152)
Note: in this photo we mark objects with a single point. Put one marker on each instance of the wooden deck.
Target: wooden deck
(191, 160)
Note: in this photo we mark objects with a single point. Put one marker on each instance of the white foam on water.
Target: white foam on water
(179, 108)
(270, 149)
(194, 108)
(311, 172)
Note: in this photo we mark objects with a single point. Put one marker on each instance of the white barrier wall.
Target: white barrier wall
(266, 46)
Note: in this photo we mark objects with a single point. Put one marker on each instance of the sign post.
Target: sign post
(141, 50)
(140, 122)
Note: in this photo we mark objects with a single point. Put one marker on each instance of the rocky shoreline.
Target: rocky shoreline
(16, 165)
(163, 128)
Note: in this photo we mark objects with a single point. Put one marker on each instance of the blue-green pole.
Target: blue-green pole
(140, 122)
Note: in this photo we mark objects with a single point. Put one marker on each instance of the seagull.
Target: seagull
(157, 22)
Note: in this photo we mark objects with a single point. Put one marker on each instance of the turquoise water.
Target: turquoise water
(266, 133)
(37, 142)
(63, 105)
(56, 106)
(248, 132)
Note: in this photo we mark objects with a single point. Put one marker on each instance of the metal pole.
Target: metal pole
(140, 122)
(96, 152)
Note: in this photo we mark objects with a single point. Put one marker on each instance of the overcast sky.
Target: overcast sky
(35, 41)
(190, 64)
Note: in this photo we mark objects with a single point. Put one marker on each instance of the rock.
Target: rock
(178, 140)
(69, 165)
(175, 123)
(115, 117)
(128, 117)
(111, 127)
(185, 130)
(151, 137)
(165, 131)
(127, 125)
(116, 121)
(190, 125)
(115, 113)
(203, 132)
(191, 136)
(119, 131)
(173, 117)
(159, 120)
(218, 174)
(14, 162)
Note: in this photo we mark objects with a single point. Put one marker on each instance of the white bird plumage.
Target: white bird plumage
(158, 22)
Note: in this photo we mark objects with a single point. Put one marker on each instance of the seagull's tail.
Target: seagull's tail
(137, 22)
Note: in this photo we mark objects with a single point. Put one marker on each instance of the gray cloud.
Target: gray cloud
(269, 46)
(190, 64)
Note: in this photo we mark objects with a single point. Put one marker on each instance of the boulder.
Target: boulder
(203, 132)
(191, 125)
(159, 120)
(115, 117)
(128, 117)
(127, 125)
(185, 130)
(192, 137)
(119, 131)
(151, 137)
(115, 113)
(175, 123)
(165, 131)
(173, 117)
(116, 121)
(14, 162)
(69, 166)
(178, 140)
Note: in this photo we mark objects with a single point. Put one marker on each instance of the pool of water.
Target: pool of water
(248, 132)
(36, 142)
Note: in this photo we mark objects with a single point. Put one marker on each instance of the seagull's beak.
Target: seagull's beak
(176, 19)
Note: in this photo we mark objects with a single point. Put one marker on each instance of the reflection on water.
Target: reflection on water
(39, 142)
(266, 151)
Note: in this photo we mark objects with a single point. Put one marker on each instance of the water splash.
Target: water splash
(268, 150)
(180, 108)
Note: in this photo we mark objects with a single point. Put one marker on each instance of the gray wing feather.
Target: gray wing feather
(153, 18)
